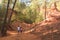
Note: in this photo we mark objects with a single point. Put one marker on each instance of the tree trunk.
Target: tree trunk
(11, 12)
(45, 10)
(4, 28)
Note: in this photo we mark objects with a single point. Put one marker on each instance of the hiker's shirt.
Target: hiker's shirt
(18, 28)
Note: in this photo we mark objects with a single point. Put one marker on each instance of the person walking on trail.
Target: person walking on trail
(19, 29)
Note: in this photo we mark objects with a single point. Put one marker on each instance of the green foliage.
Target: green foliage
(28, 14)
(32, 13)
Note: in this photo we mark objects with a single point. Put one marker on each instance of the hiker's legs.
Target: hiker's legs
(18, 31)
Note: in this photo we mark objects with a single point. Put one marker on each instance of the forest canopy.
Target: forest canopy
(31, 11)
